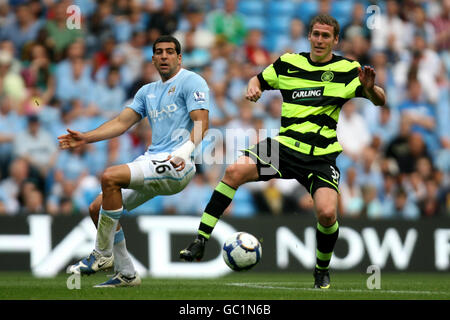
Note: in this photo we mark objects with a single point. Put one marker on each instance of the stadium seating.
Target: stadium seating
(251, 7)
(306, 10)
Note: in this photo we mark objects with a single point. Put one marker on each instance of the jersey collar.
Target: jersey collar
(334, 58)
(174, 77)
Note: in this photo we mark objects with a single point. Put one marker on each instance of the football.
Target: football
(241, 251)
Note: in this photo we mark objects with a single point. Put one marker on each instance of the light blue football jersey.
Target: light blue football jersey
(167, 106)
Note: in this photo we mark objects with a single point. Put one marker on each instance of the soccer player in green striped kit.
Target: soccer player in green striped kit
(314, 87)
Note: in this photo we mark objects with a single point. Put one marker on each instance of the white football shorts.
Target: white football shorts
(152, 175)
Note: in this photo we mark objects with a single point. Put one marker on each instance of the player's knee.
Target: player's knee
(233, 175)
(108, 179)
(326, 215)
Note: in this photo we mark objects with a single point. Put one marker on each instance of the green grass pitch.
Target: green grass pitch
(236, 286)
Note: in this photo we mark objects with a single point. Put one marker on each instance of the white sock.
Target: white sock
(122, 260)
(106, 228)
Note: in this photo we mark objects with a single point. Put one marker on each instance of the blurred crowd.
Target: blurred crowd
(59, 70)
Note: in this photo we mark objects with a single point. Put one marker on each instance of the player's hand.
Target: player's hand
(177, 162)
(71, 140)
(253, 93)
(367, 77)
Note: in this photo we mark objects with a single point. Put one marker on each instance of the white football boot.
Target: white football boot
(119, 280)
(91, 264)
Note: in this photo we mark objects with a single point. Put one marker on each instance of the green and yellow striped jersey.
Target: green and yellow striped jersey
(313, 94)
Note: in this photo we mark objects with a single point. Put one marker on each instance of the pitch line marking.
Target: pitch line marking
(265, 286)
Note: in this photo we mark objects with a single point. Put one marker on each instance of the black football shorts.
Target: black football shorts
(275, 160)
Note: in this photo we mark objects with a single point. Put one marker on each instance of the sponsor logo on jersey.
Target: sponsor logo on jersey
(164, 112)
(307, 93)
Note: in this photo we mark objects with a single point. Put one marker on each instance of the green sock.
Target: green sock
(220, 200)
(326, 238)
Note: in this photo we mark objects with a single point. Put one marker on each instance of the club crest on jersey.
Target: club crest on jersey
(199, 96)
(327, 76)
(307, 93)
(171, 91)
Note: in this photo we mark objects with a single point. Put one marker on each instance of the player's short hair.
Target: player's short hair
(325, 19)
(168, 38)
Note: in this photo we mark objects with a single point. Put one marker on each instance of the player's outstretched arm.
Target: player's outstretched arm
(370, 90)
(110, 129)
(182, 154)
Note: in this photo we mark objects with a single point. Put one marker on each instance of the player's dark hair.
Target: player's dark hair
(325, 19)
(168, 38)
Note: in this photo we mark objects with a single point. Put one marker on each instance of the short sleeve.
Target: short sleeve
(269, 77)
(196, 93)
(138, 103)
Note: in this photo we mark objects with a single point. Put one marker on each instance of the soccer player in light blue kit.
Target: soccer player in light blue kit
(177, 109)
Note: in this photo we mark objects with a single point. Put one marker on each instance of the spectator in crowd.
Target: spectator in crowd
(296, 41)
(195, 23)
(240, 132)
(358, 24)
(163, 21)
(441, 24)
(128, 22)
(56, 27)
(421, 26)
(371, 207)
(351, 195)
(402, 207)
(73, 75)
(19, 171)
(385, 127)
(223, 109)
(100, 26)
(23, 29)
(110, 96)
(350, 121)
(32, 198)
(39, 73)
(422, 64)
(194, 58)
(11, 83)
(369, 169)
(227, 23)
(132, 54)
(420, 114)
(38, 148)
(148, 74)
(253, 51)
(390, 34)
(11, 123)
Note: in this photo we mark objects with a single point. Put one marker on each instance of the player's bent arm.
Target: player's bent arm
(201, 123)
(376, 95)
(115, 127)
(254, 90)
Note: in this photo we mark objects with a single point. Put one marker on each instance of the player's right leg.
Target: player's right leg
(93, 262)
(242, 171)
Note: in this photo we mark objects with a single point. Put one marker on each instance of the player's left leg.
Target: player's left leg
(240, 172)
(109, 233)
(325, 201)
